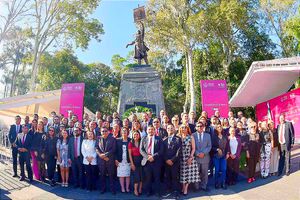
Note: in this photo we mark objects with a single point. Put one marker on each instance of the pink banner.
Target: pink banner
(288, 103)
(214, 97)
(71, 99)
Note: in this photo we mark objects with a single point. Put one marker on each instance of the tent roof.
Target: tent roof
(266, 80)
(42, 103)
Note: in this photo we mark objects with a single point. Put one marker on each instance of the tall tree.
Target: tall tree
(276, 14)
(177, 24)
(54, 20)
(13, 12)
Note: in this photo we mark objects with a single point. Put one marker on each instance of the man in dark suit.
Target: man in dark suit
(286, 136)
(158, 131)
(56, 125)
(185, 120)
(146, 121)
(23, 145)
(202, 149)
(172, 152)
(151, 149)
(105, 148)
(14, 130)
(76, 158)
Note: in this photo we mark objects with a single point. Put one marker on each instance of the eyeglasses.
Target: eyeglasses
(175, 120)
(199, 126)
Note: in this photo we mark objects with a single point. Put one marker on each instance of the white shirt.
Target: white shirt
(281, 130)
(233, 143)
(88, 150)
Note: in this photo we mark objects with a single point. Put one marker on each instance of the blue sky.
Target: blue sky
(117, 19)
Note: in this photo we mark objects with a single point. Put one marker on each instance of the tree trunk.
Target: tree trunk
(35, 66)
(191, 81)
(187, 94)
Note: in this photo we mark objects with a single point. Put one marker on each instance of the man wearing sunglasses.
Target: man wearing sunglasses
(203, 147)
(105, 148)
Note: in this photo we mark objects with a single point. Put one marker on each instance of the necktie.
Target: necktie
(281, 133)
(157, 132)
(75, 146)
(150, 146)
(23, 140)
(17, 128)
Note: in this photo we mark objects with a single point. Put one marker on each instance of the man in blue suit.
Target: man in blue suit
(203, 147)
(23, 145)
(14, 130)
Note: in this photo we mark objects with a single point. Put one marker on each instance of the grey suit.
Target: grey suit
(202, 146)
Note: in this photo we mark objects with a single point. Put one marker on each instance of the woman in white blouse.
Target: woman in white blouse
(88, 151)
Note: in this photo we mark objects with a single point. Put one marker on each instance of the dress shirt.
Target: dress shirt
(152, 145)
(88, 150)
(281, 131)
(233, 143)
(78, 146)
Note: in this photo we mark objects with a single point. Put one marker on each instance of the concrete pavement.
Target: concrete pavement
(272, 188)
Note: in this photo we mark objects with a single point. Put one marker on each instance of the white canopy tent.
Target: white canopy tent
(266, 80)
(42, 103)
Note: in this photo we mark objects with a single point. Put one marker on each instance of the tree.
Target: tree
(277, 14)
(13, 13)
(15, 49)
(61, 22)
(177, 24)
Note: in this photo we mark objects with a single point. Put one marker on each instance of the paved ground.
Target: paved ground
(273, 188)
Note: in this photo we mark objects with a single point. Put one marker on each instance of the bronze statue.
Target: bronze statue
(140, 48)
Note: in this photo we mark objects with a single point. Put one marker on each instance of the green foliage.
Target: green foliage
(101, 83)
(136, 110)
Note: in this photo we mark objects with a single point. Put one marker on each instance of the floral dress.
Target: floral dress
(63, 151)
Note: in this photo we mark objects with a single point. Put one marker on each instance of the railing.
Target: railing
(5, 152)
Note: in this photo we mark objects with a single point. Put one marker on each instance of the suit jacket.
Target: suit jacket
(12, 135)
(27, 142)
(158, 149)
(162, 133)
(202, 147)
(71, 150)
(145, 125)
(56, 129)
(119, 150)
(109, 149)
(172, 151)
(70, 132)
(192, 128)
(289, 134)
(238, 150)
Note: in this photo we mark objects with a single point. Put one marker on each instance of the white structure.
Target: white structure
(41, 103)
(266, 80)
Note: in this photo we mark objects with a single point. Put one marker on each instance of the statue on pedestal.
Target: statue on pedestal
(140, 48)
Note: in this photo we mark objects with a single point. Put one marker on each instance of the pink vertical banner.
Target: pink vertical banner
(214, 97)
(288, 103)
(71, 99)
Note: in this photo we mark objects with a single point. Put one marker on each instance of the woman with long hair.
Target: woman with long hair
(135, 161)
(88, 151)
(265, 138)
(274, 161)
(189, 172)
(38, 164)
(62, 157)
(122, 160)
(219, 145)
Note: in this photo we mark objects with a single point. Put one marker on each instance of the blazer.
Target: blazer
(162, 133)
(109, 149)
(71, 152)
(238, 150)
(27, 142)
(289, 134)
(172, 151)
(158, 149)
(202, 147)
(12, 135)
(119, 149)
(88, 150)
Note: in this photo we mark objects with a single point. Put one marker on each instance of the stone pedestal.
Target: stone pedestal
(141, 86)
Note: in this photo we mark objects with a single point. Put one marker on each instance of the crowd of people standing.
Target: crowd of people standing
(152, 153)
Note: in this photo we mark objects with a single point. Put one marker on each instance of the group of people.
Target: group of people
(154, 152)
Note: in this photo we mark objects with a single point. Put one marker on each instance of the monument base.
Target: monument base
(141, 86)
